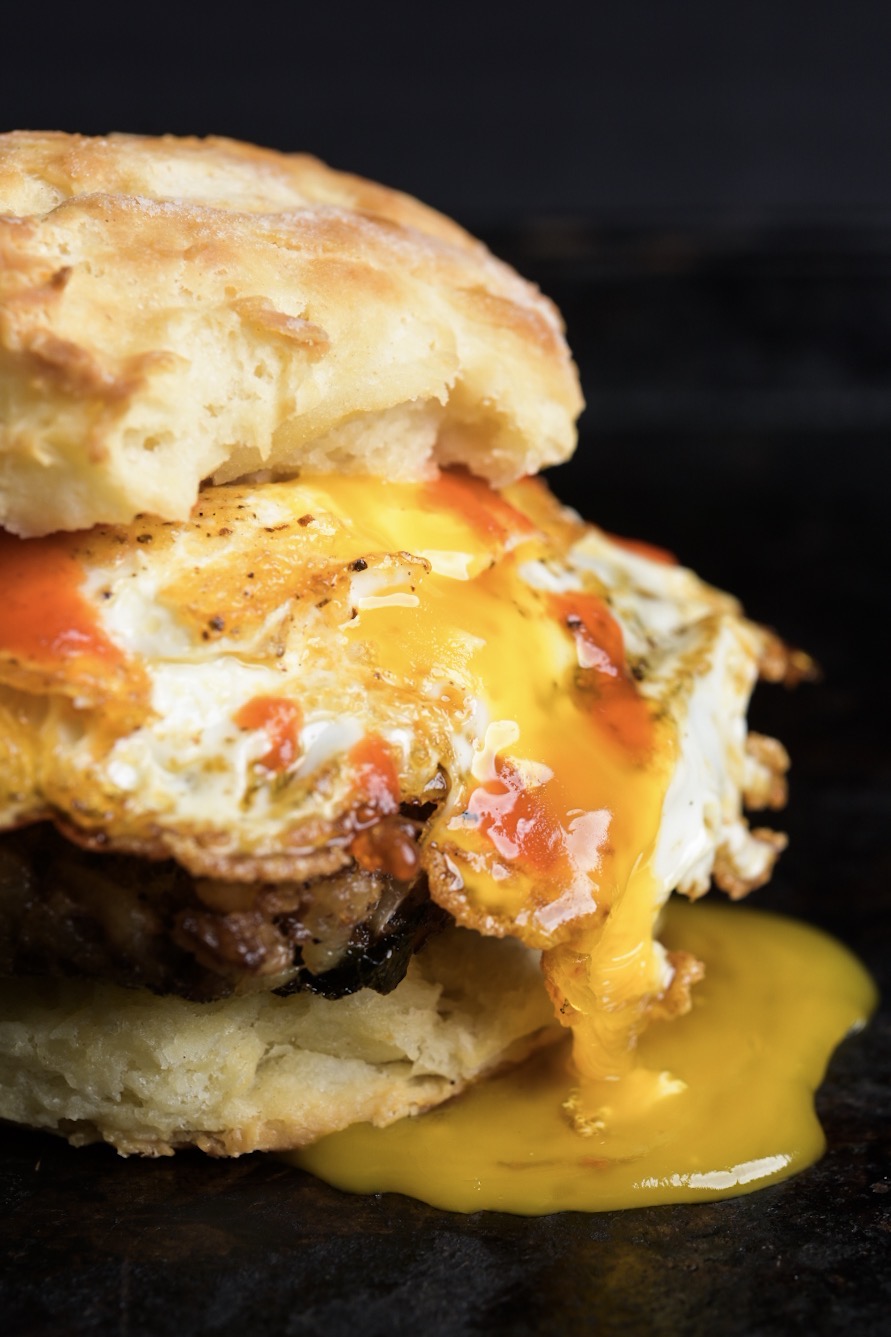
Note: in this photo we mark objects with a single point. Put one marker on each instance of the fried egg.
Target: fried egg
(255, 691)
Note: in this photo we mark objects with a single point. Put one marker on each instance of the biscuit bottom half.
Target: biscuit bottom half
(150, 1074)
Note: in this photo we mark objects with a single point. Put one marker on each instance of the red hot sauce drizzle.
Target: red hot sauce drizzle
(487, 512)
(519, 822)
(560, 814)
(46, 619)
(384, 841)
(603, 677)
(280, 719)
(376, 777)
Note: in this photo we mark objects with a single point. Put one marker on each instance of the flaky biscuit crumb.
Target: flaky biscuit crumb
(178, 309)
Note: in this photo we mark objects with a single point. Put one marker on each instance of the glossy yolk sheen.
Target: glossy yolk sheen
(550, 840)
(732, 1110)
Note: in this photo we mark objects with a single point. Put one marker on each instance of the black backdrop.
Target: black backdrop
(629, 113)
(705, 190)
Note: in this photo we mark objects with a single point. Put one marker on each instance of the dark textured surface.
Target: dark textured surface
(765, 469)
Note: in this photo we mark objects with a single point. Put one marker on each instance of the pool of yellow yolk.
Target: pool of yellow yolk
(559, 818)
(721, 1101)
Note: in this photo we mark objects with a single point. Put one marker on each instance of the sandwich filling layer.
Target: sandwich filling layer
(337, 709)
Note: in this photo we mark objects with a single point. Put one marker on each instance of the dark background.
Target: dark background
(753, 111)
(705, 189)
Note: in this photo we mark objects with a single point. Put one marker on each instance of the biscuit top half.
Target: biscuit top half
(174, 310)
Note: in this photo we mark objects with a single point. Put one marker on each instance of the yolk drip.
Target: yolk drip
(725, 1105)
(549, 838)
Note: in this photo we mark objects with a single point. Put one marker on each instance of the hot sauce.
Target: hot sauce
(280, 719)
(486, 511)
(45, 616)
(376, 776)
(612, 693)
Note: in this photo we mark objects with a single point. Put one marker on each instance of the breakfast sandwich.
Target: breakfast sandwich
(340, 764)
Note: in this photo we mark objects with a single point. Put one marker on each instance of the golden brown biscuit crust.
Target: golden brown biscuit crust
(175, 309)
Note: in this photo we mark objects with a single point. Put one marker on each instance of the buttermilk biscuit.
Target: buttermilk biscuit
(95, 1062)
(178, 309)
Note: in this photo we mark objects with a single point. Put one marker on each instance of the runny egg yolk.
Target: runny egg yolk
(548, 837)
(552, 841)
(721, 1104)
